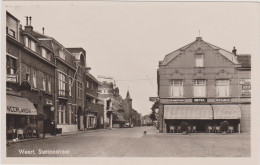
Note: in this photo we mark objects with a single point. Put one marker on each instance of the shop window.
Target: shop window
(199, 60)
(70, 114)
(34, 78)
(70, 86)
(101, 120)
(222, 88)
(199, 88)
(10, 65)
(62, 83)
(80, 90)
(49, 84)
(176, 88)
(44, 82)
(62, 114)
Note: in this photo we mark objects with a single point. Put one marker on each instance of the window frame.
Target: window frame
(197, 84)
(34, 78)
(197, 63)
(178, 85)
(79, 90)
(225, 85)
(61, 83)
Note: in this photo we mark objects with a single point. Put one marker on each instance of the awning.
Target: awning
(188, 112)
(226, 111)
(19, 106)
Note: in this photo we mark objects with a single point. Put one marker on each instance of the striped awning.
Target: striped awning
(226, 111)
(188, 112)
(19, 106)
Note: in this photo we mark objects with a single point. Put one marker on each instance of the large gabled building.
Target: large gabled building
(204, 85)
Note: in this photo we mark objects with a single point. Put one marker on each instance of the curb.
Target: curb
(57, 135)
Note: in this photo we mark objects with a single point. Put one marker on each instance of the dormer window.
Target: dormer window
(62, 54)
(199, 61)
(45, 54)
(29, 43)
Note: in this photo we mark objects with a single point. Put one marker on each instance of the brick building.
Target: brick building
(203, 85)
(45, 78)
(30, 77)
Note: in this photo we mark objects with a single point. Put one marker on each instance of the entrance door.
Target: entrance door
(47, 121)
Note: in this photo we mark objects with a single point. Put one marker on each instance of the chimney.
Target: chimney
(234, 51)
(43, 30)
(198, 38)
(28, 27)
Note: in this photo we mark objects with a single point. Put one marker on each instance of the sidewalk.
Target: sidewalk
(48, 135)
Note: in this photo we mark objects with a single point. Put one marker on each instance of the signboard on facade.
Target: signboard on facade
(199, 100)
(20, 111)
(223, 100)
(246, 90)
(48, 102)
(154, 99)
(11, 78)
(176, 100)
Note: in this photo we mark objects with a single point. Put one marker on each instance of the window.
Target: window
(199, 88)
(199, 60)
(80, 90)
(11, 32)
(10, 65)
(79, 71)
(29, 43)
(28, 71)
(62, 115)
(34, 78)
(222, 88)
(62, 82)
(44, 83)
(26, 41)
(49, 84)
(70, 86)
(176, 89)
(62, 55)
(92, 86)
(44, 52)
(33, 47)
(87, 84)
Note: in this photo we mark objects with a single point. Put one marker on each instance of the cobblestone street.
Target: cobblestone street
(131, 142)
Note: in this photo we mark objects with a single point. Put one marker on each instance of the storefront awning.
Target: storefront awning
(226, 111)
(19, 106)
(188, 112)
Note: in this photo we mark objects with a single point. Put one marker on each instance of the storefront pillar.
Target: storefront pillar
(239, 128)
(110, 120)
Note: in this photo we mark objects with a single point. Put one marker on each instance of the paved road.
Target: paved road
(131, 142)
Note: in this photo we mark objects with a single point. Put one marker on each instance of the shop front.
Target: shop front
(21, 121)
(91, 120)
(201, 118)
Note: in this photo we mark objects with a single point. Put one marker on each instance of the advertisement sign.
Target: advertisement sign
(154, 99)
(223, 100)
(11, 78)
(246, 90)
(176, 100)
(199, 100)
(20, 111)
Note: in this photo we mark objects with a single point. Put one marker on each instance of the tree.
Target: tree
(154, 107)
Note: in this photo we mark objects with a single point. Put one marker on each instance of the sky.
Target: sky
(126, 40)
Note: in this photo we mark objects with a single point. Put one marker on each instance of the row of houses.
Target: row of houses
(203, 85)
(50, 86)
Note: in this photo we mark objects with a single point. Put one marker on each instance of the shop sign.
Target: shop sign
(19, 110)
(223, 100)
(199, 100)
(154, 99)
(246, 90)
(176, 100)
(11, 78)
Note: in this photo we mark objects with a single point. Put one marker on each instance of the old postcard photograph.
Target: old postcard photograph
(141, 81)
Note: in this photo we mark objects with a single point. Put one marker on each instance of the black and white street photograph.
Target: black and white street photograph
(112, 79)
